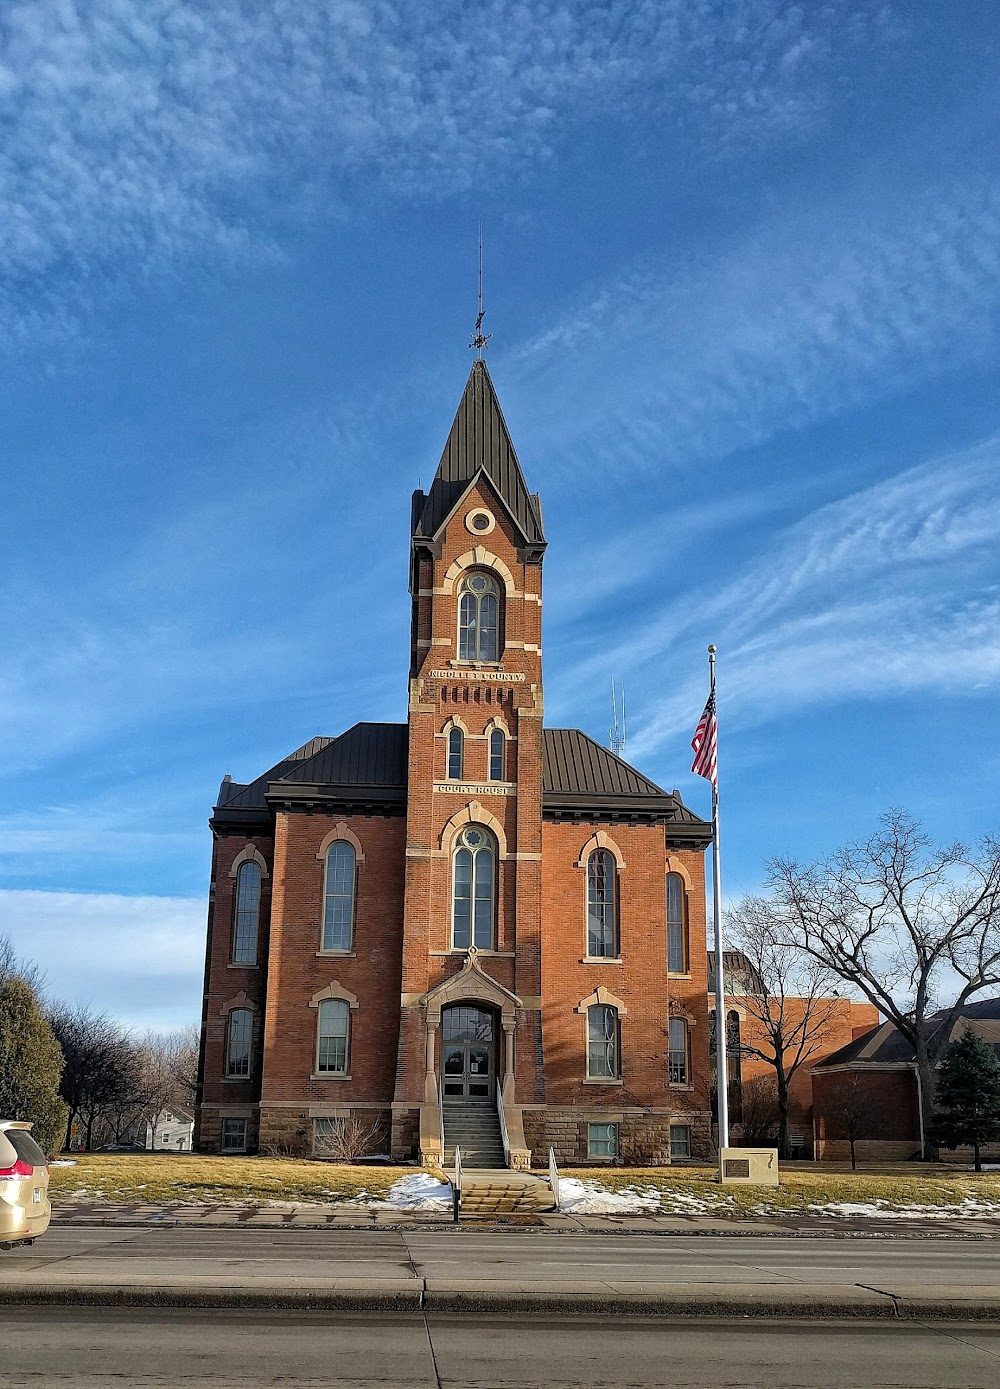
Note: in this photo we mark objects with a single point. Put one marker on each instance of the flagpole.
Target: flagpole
(721, 1069)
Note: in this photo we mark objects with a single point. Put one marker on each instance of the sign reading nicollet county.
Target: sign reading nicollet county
(512, 676)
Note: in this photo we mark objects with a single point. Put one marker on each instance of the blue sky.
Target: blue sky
(743, 272)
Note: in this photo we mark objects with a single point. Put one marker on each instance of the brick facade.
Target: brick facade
(406, 967)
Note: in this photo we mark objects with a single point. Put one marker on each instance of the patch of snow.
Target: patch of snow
(966, 1209)
(63, 1162)
(593, 1198)
(419, 1192)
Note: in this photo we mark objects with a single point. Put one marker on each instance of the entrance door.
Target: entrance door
(467, 1058)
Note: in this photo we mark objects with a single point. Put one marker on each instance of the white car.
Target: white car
(25, 1211)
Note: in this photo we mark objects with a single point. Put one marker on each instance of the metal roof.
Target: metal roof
(368, 765)
(369, 754)
(581, 780)
(478, 441)
(575, 763)
(235, 795)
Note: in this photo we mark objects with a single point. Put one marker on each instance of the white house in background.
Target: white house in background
(174, 1132)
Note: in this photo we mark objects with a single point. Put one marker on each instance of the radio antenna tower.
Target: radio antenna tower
(616, 733)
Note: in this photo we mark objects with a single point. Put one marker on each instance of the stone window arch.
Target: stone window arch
(480, 558)
(601, 840)
(473, 813)
(249, 854)
(341, 830)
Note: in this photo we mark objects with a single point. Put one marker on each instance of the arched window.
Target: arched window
(602, 904)
(456, 747)
(677, 941)
(239, 1036)
(247, 913)
(474, 890)
(338, 905)
(497, 741)
(603, 1061)
(478, 618)
(333, 1024)
(678, 1067)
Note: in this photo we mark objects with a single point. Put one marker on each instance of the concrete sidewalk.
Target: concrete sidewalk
(529, 1271)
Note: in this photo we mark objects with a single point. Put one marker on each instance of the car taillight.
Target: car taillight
(20, 1169)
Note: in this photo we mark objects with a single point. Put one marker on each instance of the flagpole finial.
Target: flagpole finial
(711, 650)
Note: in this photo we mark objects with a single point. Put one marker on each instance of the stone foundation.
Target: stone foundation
(285, 1132)
(643, 1136)
(405, 1135)
(208, 1126)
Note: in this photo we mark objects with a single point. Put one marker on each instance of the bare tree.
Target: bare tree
(13, 967)
(185, 1044)
(786, 995)
(102, 1079)
(759, 1116)
(169, 1063)
(348, 1139)
(850, 1108)
(901, 920)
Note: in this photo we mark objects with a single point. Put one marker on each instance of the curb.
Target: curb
(720, 1302)
(545, 1225)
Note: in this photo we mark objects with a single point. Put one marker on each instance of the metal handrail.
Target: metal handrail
(437, 1091)
(503, 1127)
(554, 1177)
(456, 1184)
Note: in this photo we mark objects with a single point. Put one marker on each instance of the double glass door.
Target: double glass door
(467, 1063)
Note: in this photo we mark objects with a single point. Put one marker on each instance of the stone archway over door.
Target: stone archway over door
(471, 985)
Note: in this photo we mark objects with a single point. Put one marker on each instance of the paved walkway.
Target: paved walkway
(529, 1270)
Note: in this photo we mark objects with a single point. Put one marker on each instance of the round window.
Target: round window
(473, 837)
(480, 521)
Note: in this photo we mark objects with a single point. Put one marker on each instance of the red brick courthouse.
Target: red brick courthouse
(469, 926)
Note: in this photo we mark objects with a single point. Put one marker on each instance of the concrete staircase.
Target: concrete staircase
(504, 1193)
(476, 1130)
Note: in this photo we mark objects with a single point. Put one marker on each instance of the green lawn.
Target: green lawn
(161, 1177)
(805, 1186)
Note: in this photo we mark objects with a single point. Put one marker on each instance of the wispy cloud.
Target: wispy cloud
(802, 318)
(890, 590)
(153, 128)
(139, 958)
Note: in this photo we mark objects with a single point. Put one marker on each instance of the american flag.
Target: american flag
(705, 746)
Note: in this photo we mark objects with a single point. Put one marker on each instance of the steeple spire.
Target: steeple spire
(479, 443)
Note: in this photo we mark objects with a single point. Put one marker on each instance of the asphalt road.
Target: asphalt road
(98, 1349)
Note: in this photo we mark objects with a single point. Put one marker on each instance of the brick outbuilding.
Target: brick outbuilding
(468, 919)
